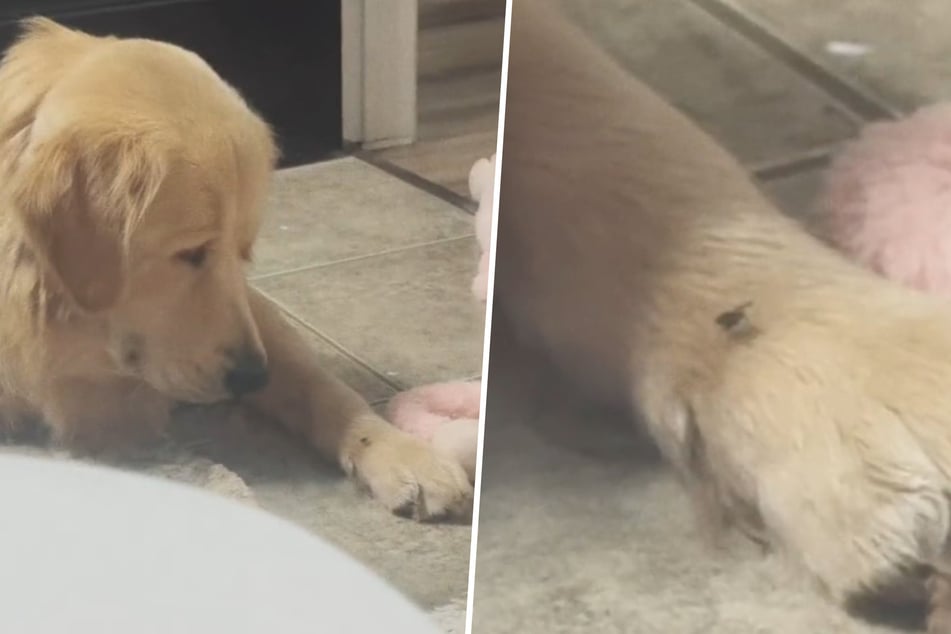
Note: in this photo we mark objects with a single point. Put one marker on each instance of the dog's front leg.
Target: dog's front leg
(403, 473)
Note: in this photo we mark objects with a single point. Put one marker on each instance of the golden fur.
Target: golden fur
(131, 183)
(798, 396)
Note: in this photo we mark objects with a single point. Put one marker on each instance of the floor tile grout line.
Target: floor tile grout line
(419, 182)
(462, 74)
(856, 100)
(336, 345)
(358, 258)
(804, 162)
(434, 20)
(461, 71)
(453, 113)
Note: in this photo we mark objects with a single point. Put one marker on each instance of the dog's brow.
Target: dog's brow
(200, 233)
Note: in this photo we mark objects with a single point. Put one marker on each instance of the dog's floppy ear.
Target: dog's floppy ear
(79, 197)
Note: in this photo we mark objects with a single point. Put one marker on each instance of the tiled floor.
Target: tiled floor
(377, 268)
(905, 65)
(759, 108)
(582, 528)
(342, 210)
(460, 65)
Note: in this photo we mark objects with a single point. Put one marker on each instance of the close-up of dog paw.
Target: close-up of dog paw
(803, 405)
(662, 170)
(413, 479)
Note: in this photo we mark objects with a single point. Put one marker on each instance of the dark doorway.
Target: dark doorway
(282, 55)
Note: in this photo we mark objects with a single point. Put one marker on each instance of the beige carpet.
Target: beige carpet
(168, 461)
(451, 618)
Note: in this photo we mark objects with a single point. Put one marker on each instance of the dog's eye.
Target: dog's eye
(194, 257)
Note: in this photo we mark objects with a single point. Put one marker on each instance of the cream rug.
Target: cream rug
(451, 618)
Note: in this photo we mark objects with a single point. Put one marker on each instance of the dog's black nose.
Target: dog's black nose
(249, 374)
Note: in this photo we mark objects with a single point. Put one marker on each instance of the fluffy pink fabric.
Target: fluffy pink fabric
(887, 200)
(420, 411)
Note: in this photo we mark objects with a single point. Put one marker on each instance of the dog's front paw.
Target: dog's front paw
(411, 478)
(833, 434)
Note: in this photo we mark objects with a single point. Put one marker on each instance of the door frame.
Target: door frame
(379, 76)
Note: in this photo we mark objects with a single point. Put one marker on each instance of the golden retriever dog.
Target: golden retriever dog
(131, 184)
(798, 396)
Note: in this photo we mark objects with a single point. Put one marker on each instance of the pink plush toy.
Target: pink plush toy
(887, 200)
(447, 414)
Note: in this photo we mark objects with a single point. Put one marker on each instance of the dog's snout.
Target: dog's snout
(248, 374)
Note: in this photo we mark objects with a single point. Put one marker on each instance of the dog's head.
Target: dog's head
(138, 178)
